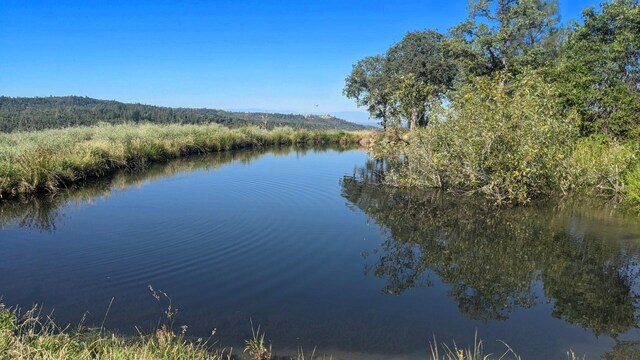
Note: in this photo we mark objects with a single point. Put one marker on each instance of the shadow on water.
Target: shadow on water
(43, 212)
(575, 255)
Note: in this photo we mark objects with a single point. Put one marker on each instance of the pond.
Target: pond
(305, 243)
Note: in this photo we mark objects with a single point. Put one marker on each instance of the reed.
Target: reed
(444, 351)
(46, 161)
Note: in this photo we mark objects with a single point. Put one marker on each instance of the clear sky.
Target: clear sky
(270, 54)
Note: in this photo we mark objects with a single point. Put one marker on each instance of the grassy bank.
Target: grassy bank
(32, 336)
(45, 161)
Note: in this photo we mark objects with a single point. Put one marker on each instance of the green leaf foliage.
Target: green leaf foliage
(400, 85)
(511, 104)
(599, 70)
(506, 35)
(505, 141)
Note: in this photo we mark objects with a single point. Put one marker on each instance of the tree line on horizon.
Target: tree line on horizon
(39, 113)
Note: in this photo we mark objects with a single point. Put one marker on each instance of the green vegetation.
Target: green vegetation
(510, 104)
(599, 70)
(471, 353)
(393, 86)
(632, 182)
(31, 336)
(505, 141)
(28, 114)
(45, 161)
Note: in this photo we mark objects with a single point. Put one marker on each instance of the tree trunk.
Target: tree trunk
(412, 122)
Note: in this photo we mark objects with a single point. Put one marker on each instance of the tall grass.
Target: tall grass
(34, 336)
(599, 165)
(632, 181)
(45, 161)
(605, 167)
(444, 351)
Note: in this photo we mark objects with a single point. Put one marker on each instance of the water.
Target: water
(305, 244)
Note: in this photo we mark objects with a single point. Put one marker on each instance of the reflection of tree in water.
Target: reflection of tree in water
(593, 286)
(43, 212)
(492, 258)
(624, 350)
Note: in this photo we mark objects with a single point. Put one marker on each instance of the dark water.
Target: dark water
(304, 243)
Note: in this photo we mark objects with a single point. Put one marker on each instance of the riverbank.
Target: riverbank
(34, 336)
(46, 161)
(511, 168)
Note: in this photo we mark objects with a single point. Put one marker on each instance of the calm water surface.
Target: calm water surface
(304, 243)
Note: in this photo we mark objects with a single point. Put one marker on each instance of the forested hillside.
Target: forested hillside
(26, 114)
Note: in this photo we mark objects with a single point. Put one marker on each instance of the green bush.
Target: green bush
(507, 138)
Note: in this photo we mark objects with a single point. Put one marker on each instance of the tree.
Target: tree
(400, 84)
(421, 54)
(422, 74)
(411, 100)
(368, 84)
(599, 71)
(506, 35)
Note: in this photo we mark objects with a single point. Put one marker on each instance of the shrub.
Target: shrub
(507, 138)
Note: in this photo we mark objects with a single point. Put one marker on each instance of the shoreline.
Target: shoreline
(47, 161)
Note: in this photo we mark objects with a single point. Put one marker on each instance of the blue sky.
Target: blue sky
(270, 55)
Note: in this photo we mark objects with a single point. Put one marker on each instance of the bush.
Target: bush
(507, 138)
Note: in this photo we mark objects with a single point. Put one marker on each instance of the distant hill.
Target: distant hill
(27, 114)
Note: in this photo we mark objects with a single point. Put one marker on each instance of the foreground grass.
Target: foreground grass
(32, 336)
(45, 161)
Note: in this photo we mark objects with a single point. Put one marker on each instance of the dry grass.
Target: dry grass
(45, 161)
(476, 352)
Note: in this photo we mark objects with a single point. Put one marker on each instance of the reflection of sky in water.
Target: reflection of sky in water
(280, 239)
